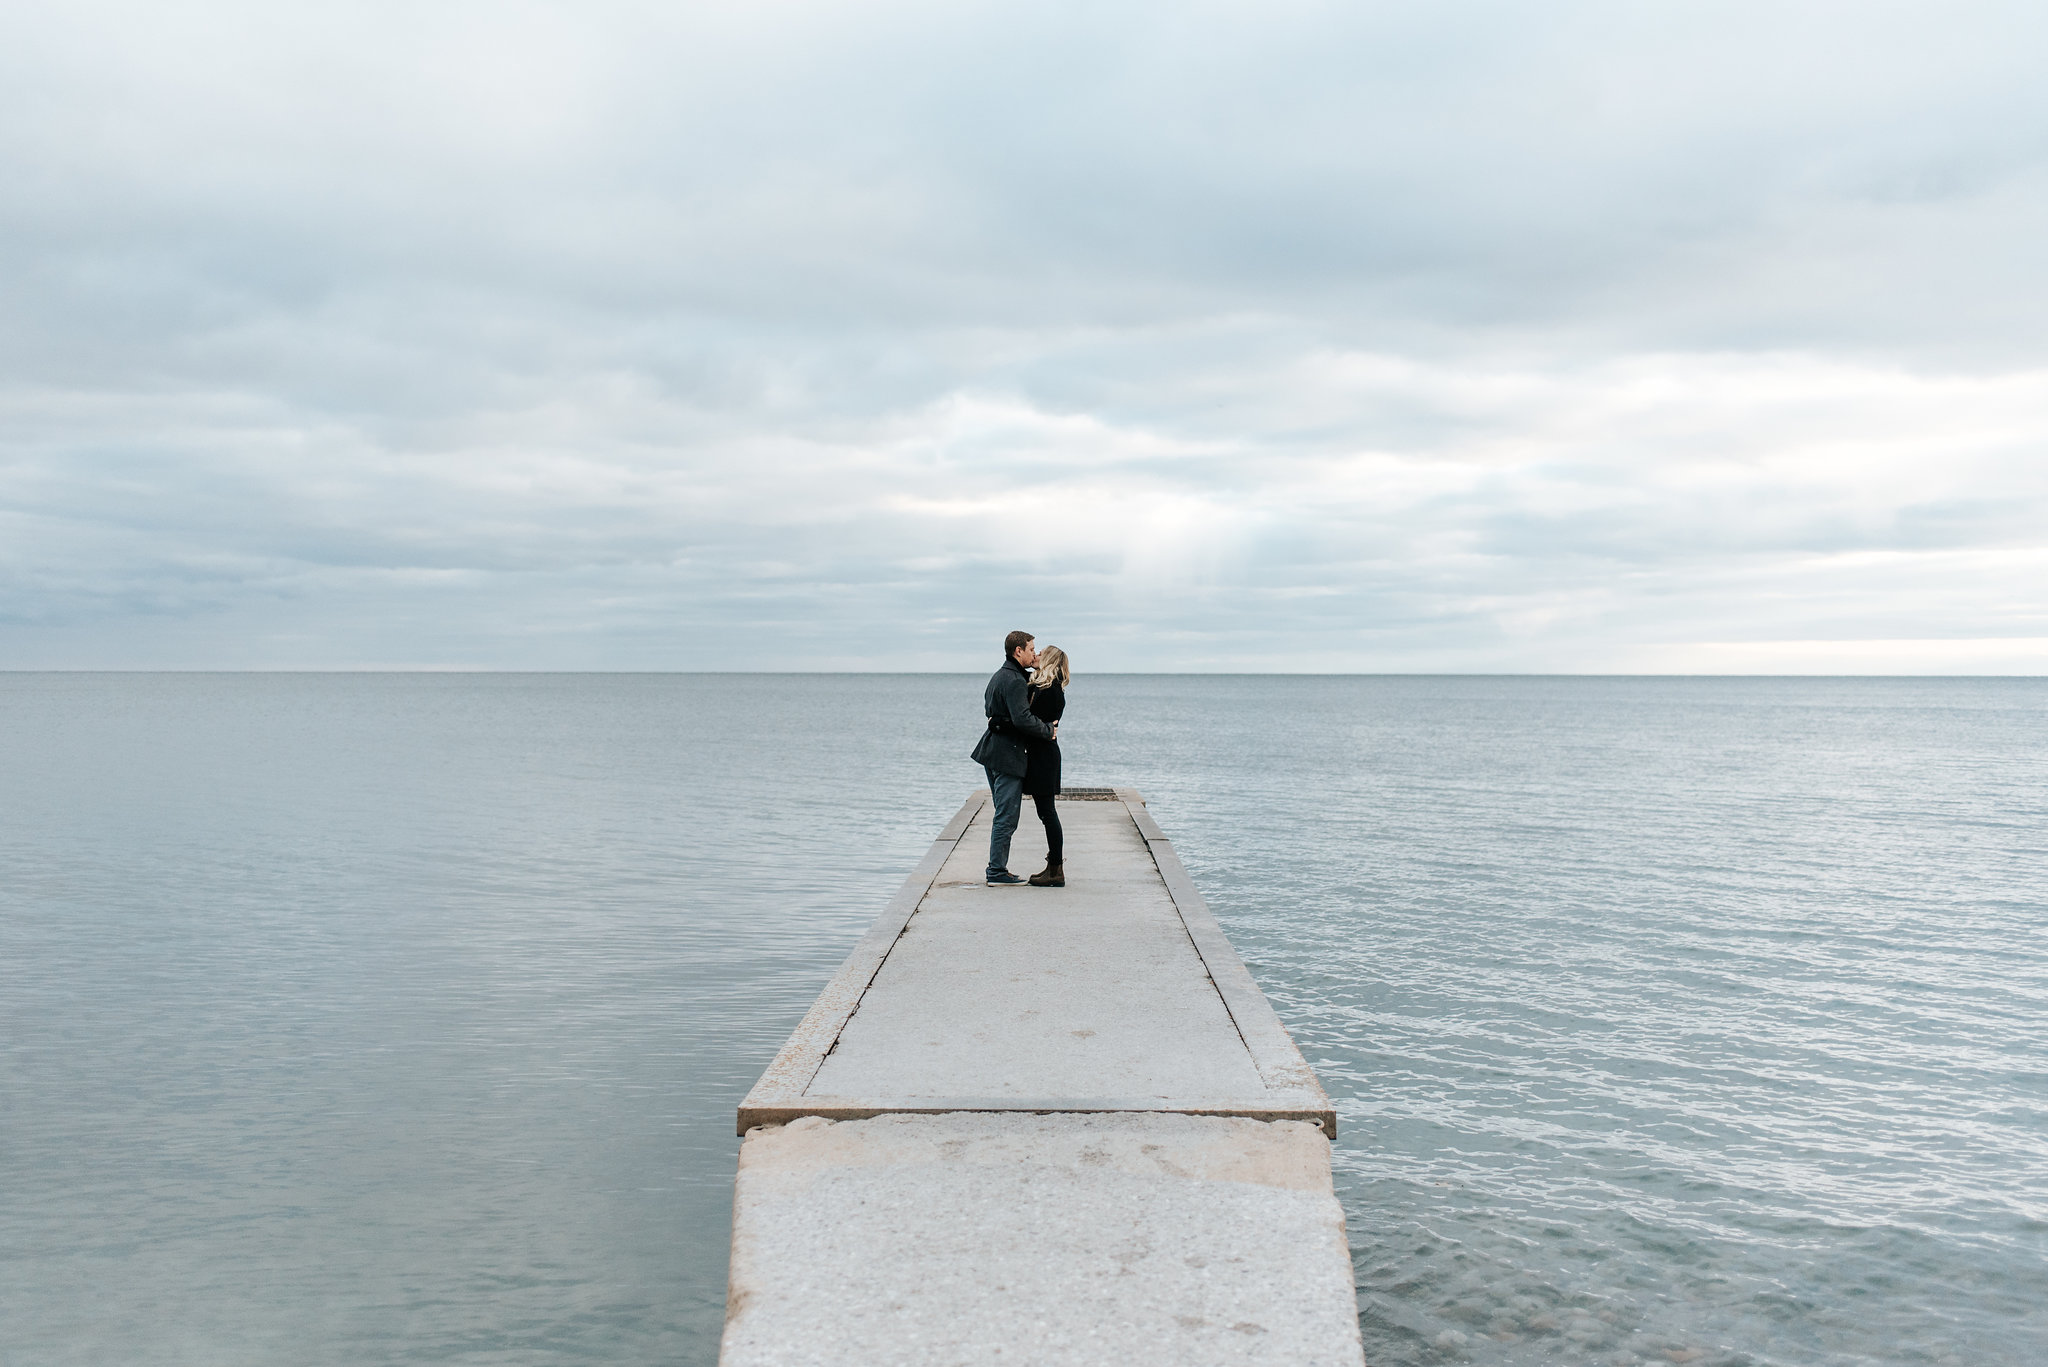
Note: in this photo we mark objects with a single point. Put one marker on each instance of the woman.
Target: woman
(1042, 774)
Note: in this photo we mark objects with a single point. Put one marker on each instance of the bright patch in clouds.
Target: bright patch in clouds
(619, 336)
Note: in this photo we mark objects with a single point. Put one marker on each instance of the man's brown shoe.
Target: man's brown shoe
(1054, 876)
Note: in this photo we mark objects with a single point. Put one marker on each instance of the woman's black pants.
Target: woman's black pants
(1055, 838)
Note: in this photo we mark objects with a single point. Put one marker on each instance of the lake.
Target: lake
(364, 1018)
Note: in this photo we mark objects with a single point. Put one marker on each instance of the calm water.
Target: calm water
(366, 1019)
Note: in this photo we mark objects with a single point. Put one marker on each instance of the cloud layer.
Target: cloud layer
(623, 336)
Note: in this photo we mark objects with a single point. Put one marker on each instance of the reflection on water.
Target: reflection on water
(351, 1019)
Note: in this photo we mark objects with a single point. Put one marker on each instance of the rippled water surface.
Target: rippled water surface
(400, 1018)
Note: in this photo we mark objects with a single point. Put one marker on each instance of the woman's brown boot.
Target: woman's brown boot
(1054, 876)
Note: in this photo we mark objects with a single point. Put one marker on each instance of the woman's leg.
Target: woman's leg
(1055, 838)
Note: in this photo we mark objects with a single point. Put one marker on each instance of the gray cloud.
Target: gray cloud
(1472, 336)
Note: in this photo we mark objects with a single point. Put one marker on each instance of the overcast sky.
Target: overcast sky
(1459, 336)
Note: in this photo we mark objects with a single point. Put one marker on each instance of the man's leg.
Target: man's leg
(1008, 792)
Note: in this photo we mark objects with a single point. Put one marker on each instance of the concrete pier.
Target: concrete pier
(1040, 1125)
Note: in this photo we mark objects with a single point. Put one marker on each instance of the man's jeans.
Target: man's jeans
(1009, 795)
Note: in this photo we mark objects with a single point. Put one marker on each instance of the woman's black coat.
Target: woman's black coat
(1042, 777)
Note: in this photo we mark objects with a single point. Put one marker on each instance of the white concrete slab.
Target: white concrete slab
(1091, 990)
(1118, 992)
(1070, 1239)
(1043, 1125)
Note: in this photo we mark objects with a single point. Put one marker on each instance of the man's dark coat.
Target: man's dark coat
(1006, 702)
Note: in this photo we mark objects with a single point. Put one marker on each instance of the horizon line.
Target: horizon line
(975, 672)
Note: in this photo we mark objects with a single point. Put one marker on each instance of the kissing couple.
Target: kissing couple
(1020, 752)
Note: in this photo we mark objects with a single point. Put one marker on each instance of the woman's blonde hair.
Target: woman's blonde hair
(1052, 664)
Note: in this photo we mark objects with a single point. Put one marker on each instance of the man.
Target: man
(1002, 752)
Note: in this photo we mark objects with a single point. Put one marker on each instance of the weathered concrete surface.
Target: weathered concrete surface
(1072, 1239)
(1043, 1125)
(1091, 990)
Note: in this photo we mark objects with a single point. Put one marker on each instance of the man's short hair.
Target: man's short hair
(1015, 639)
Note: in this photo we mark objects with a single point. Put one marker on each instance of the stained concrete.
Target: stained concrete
(1040, 1125)
(1071, 1239)
(1091, 990)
